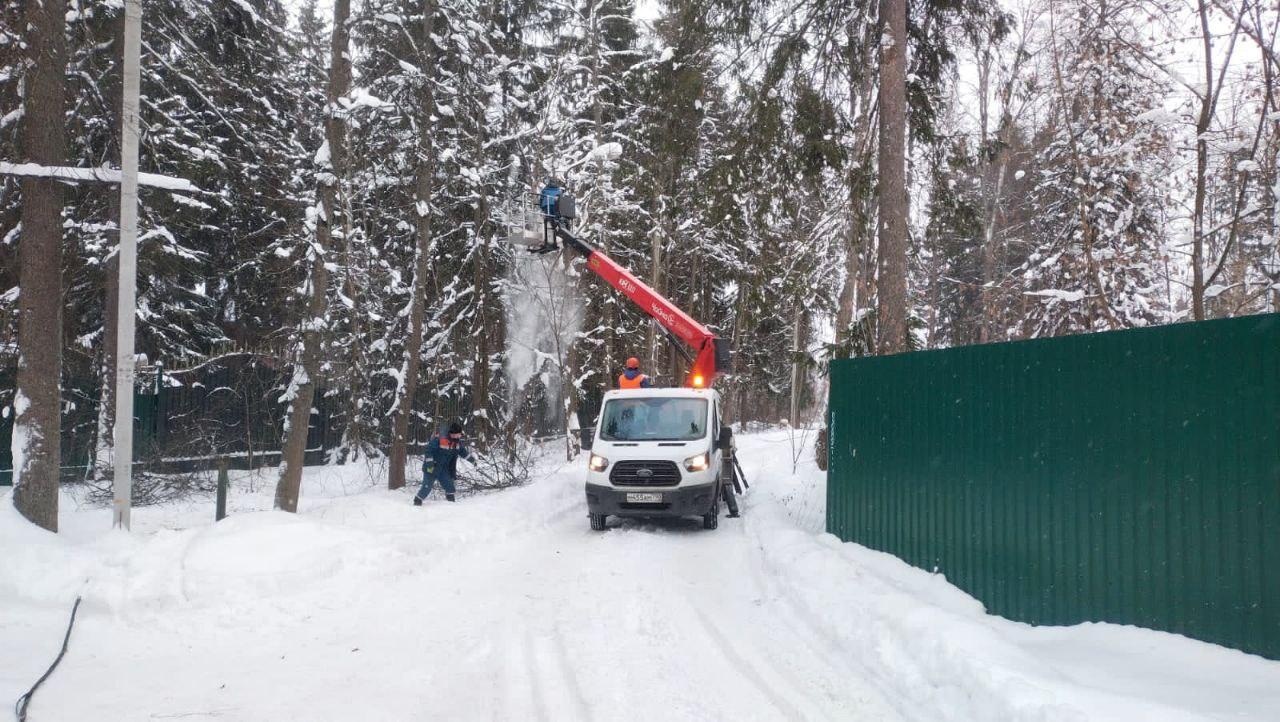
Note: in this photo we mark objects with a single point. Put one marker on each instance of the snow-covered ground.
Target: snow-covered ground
(506, 606)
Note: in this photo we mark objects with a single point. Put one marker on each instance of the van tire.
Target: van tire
(597, 521)
(711, 520)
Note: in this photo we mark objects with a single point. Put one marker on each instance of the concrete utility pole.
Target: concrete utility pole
(127, 299)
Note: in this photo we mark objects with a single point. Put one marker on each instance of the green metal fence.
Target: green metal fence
(183, 421)
(1129, 477)
(223, 408)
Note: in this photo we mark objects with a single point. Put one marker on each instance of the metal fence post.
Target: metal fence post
(223, 482)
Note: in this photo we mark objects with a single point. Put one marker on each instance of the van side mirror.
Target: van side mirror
(586, 437)
(725, 442)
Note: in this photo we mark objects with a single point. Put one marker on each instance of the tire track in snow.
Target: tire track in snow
(530, 658)
(761, 596)
(799, 620)
(808, 627)
(828, 651)
(500, 695)
(780, 702)
(572, 683)
(727, 551)
(797, 628)
(836, 674)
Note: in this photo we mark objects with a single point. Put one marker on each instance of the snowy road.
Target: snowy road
(507, 607)
(648, 622)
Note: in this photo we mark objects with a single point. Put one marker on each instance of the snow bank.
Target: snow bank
(933, 647)
(38, 566)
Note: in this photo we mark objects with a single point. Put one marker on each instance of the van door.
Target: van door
(715, 435)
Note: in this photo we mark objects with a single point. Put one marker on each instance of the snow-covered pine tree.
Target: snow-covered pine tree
(402, 67)
(345, 366)
(328, 220)
(1101, 228)
(592, 141)
(95, 36)
(675, 88)
(219, 113)
(955, 237)
(216, 112)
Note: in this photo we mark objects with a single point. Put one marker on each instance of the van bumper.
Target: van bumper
(676, 501)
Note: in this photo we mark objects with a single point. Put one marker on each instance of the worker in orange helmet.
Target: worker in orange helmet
(632, 378)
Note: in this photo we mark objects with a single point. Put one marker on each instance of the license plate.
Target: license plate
(642, 498)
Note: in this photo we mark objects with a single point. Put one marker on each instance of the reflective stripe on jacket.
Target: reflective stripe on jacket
(441, 457)
(639, 381)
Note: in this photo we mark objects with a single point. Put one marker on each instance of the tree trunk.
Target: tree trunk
(480, 370)
(307, 368)
(851, 295)
(989, 196)
(990, 218)
(848, 300)
(37, 434)
(797, 367)
(104, 441)
(892, 306)
(606, 306)
(424, 187)
(993, 188)
(574, 361)
(652, 338)
(1273, 185)
(1202, 169)
(353, 434)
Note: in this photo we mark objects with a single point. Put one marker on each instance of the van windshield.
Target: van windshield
(654, 419)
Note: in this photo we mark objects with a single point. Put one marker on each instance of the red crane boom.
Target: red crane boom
(708, 355)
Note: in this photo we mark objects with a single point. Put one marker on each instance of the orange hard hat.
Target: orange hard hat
(633, 363)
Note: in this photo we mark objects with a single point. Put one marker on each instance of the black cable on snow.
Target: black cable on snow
(20, 707)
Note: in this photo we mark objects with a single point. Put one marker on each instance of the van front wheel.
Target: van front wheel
(597, 521)
(711, 520)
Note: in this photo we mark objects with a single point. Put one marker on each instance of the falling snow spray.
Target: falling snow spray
(544, 314)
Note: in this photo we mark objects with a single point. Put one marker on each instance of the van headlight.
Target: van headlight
(698, 463)
(598, 463)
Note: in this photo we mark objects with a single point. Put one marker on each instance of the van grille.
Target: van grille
(645, 473)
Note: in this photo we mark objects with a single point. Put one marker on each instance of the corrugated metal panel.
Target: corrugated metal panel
(1129, 477)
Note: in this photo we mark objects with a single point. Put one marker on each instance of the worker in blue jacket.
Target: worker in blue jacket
(440, 463)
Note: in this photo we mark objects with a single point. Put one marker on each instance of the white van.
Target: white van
(657, 452)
